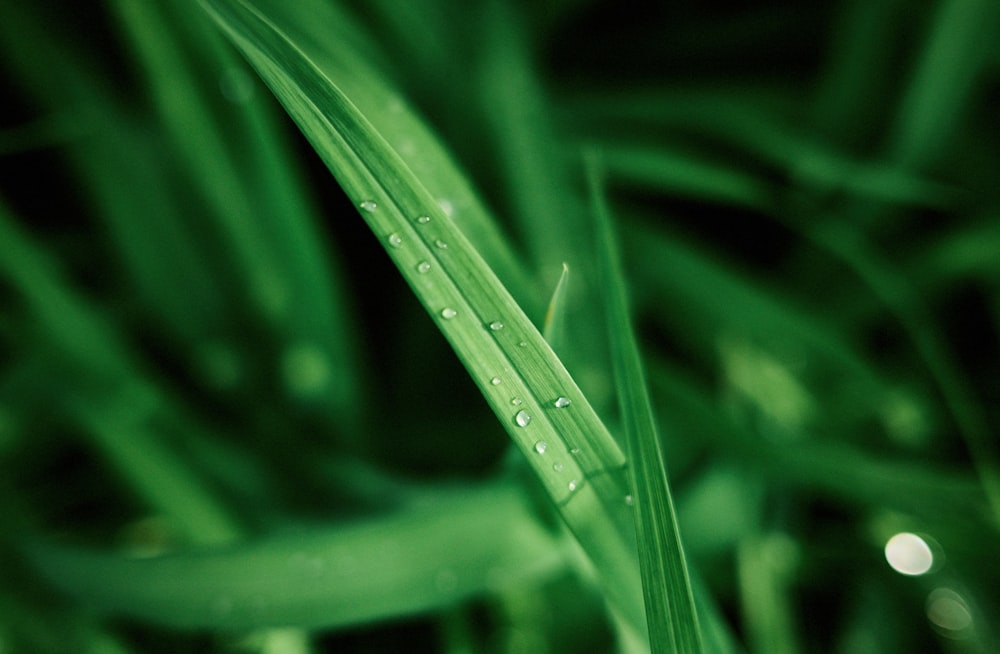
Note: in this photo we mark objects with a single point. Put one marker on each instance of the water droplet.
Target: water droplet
(562, 403)
(495, 381)
(441, 245)
(423, 220)
(516, 401)
(448, 313)
(523, 344)
(423, 267)
(540, 446)
(395, 240)
(629, 500)
(446, 206)
(496, 326)
(575, 451)
(369, 206)
(522, 418)
(558, 467)
(573, 485)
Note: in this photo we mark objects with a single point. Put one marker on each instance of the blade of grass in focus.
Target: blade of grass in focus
(539, 184)
(670, 609)
(338, 45)
(577, 461)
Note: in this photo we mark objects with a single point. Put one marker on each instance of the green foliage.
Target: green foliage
(317, 333)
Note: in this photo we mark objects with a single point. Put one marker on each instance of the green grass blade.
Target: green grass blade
(471, 541)
(538, 403)
(681, 175)
(764, 134)
(555, 315)
(540, 184)
(960, 44)
(255, 203)
(670, 610)
(86, 349)
(338, 45)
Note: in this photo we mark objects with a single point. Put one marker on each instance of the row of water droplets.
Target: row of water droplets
(396, 241)
(522, 418)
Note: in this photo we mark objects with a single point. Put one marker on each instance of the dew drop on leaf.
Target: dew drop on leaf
(573, 485)
(395, 240)
(423, 220)
(495, 381)
(448, 313)
(522, 418)
(369, 206)
(562, 403)
(441, 245)
(516, 401)
(540, 446)
(496, 325)
(423, 267)
(558, 467)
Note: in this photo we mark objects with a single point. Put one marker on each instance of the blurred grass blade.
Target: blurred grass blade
(472, 541)
(962, 41)
(571, 451)
(252, 194)
(670, 610)
(681, 175)
(898, 294)
(89, 349)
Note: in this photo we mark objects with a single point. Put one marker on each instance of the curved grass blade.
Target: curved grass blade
(335, 42)
(555, 315)
(570, 450)
(670, 609)
(421, 559)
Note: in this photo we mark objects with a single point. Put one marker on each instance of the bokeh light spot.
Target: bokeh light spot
(909, 554)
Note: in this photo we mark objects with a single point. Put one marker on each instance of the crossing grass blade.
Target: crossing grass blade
(541, 407)
(670, 609)
(467, 542)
